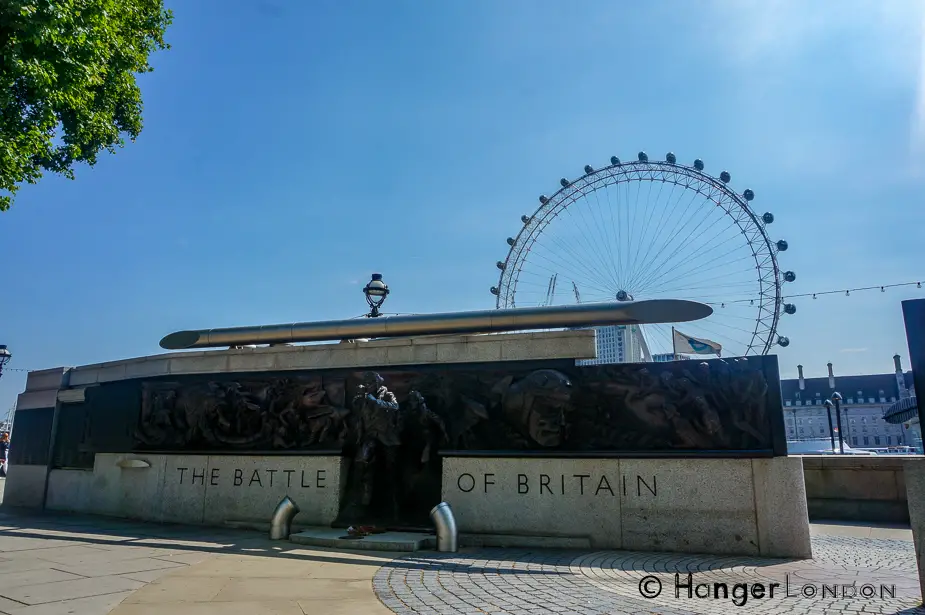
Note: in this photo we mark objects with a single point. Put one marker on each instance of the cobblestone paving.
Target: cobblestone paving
(866, 576)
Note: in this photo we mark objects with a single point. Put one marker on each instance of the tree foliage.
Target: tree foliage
(67, 82)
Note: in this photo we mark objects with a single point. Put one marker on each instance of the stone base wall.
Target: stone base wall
(718, 506)
(201, 489)
(856, 488)
(915, 493)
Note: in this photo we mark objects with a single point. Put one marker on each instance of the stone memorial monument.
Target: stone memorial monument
(523, 443)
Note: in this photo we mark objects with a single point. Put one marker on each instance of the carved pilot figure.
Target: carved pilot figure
(378, 431)
(537, 405)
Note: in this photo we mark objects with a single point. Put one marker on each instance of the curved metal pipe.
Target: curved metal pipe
(281, 523)
(445, 522)
(486, 321)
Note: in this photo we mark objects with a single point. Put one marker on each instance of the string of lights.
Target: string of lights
(844, 291)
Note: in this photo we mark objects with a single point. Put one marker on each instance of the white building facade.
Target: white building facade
(619, 344)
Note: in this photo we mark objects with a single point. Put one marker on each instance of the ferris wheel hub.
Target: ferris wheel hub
(624, 296)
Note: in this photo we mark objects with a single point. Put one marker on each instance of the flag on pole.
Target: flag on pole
(685, 344)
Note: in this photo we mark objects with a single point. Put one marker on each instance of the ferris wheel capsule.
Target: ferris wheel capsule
(789, 308)
(725, 177)
(790, 276)
(510, 241)
(783, 341)
(588, 169)
(670, 158)
(768, 217)
(782, 245)
(698, 164)
(494, 290)
(748, 194)
(643, 157)
(614, 161)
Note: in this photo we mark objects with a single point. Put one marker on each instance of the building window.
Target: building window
(877, 440)
(892, 399)
(850, 400)
(870, 400)
(787, 403)
(854, 440)
(866, 441)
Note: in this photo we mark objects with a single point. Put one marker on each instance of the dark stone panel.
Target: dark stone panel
(113, 410)
(31, 436)
(72, 440)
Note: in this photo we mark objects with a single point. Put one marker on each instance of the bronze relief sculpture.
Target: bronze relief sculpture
(393, 424)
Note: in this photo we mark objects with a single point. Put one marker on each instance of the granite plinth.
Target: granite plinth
(692, 505)
(915, 491)
(201, 489)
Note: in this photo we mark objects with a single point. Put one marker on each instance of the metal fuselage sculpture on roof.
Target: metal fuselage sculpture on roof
(485, 321)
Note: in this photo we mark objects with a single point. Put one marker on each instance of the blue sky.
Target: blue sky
(292, 148)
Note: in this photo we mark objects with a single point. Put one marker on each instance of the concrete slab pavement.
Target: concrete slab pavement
(62, 564)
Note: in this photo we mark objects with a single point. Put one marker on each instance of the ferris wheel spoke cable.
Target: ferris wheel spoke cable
(635, 211)
(583, 272)
(678, 226)
(724, 337)
(720, 276)
(552, 272)
(681, 244)
(642, 234)
(693, 266)
(597, 253)
(593, 266)
(616, 232)
(690, 268)
(662, 257)
(601, 228)
(657, 229)
(687, 273)
(568, 251)
(614, 253)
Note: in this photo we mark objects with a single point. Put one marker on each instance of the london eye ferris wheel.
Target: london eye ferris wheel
(654, 230)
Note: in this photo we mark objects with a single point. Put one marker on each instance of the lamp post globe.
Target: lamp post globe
(5, 356)
(376, 292)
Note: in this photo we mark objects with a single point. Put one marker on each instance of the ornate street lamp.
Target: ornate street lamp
(828, 411)
(836, 397)
(5, 356)
(376, 291)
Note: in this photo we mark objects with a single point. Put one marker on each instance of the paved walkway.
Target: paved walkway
(61, 564)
